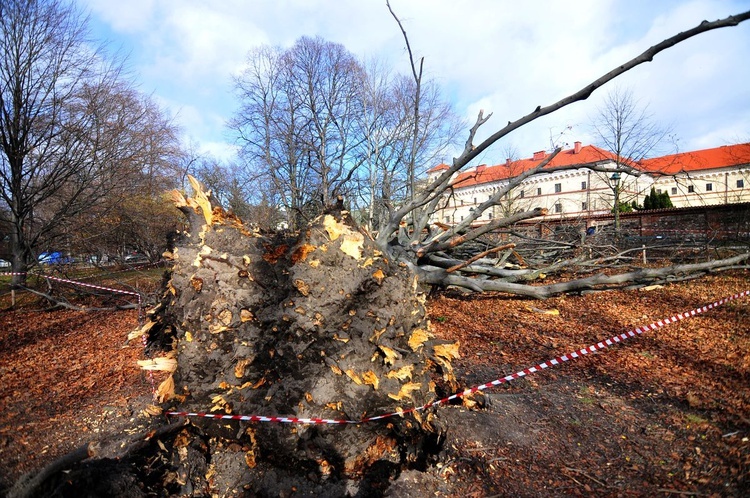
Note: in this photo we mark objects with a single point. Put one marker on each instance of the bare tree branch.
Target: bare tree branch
(479, 256)
(634, 279)
(470, 152)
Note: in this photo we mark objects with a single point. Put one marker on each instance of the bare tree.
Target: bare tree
(66, 123)
(393, 145)
(134, 214)
(313, 124)
(296, 122)
(625, 129)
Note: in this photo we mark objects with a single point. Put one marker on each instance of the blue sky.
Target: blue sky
(502, 56)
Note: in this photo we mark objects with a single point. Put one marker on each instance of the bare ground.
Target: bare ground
(666, 413)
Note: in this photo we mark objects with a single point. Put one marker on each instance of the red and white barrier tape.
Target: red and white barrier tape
(91, 286)
(522, 373)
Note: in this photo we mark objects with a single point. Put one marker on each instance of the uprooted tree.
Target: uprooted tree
(328, 323)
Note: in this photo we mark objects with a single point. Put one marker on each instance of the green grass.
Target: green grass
(694, 419)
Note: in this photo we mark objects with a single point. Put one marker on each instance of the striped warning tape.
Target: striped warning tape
(92, 286)
(521, 373)
(75, 282)
(84, 284)
(100, 287)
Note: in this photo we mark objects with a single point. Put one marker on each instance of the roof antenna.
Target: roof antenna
(554, 142)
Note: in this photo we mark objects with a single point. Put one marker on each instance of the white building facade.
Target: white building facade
(713, 176)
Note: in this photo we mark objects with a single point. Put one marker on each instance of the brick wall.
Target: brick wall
(706, 224)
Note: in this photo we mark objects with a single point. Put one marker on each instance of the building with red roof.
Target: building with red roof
(580, 182)
(703, 177)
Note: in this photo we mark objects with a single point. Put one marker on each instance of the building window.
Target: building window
(521, 194)
(558, 208)
(691, 189)
(658, 191)
(674, 190)
(709, 187)
(583, 185)
(539, 191)
(558, 188)
(585, 206)
(447, 219)
(475, 200)
(489, 215)
(462, 218)
(740, 183)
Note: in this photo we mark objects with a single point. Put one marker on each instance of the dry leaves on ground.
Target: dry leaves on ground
(665, 413)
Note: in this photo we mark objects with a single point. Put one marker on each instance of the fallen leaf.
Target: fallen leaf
(152, 410)
(391, 355)
(378, 275)
(447, 351)
(336, 370)
(553, 312)
(302, 287)
(402, 373)
(300, 254)
(239, 368)
(353, 375)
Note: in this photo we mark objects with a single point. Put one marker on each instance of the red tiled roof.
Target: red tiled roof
(587, 155)
(439, 167)
(718, 157)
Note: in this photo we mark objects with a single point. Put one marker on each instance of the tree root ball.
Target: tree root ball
(320, 325)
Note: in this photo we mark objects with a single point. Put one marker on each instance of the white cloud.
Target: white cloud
(133, 16)
(506, 57)
(223, 151)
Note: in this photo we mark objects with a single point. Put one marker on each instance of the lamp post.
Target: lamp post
(615, 182)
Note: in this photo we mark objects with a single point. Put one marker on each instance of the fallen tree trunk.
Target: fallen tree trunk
(633, 279)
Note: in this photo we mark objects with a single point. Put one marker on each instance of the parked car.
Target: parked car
(54, 258)
(4, 263)
(135, 258)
